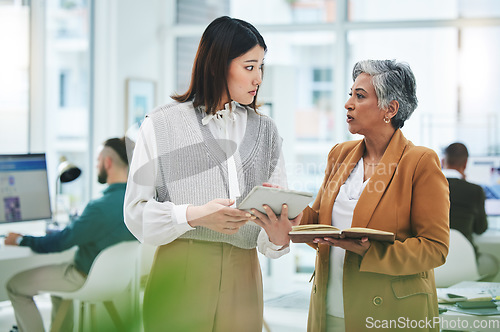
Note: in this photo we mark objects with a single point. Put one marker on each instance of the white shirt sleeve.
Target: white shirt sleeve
(159, 223)
(264, 245)
(269, 249)
(150, 221)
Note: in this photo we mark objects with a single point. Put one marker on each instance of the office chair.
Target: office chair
(114, 272)
(147, 257)
(460, 264)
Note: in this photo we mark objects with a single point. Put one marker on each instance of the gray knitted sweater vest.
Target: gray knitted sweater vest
(192, 164)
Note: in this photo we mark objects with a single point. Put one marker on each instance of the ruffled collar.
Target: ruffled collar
(226, 113)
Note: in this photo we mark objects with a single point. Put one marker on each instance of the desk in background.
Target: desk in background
(457, 321)
(15, 259)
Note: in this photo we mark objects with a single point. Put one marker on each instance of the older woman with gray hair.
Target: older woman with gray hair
(383, 182)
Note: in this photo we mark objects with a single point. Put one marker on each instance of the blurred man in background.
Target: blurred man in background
(467, 213)
(101, 225)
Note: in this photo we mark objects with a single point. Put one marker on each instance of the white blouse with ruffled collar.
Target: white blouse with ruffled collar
(227, 124)
(230, 125)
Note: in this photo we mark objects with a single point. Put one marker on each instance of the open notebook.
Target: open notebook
(307, 233)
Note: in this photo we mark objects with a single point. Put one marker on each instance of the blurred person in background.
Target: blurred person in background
(100, 225)
(467, 213)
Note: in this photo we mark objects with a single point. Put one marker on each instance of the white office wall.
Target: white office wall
(126, 46)
(14, 77)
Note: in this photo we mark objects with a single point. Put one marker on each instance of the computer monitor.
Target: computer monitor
(492, 192)
(24, 188)
(485, 171)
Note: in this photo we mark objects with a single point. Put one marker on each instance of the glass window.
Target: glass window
(67, 95)
(322, 75)
(433, 56)
(478, 116)
(186, 52)
(284, 11)
(14, 77)
(393, 10)
(302, 62)
(479, 8)
(192, 12)
(453, 85)
(299, 83)
(200, 11)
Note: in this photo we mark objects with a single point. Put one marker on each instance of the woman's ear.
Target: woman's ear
(392, 109)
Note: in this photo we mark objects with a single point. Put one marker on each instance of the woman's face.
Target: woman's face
(363, 114)
(245, 75)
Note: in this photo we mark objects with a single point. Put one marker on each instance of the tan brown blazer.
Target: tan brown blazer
(393, 283)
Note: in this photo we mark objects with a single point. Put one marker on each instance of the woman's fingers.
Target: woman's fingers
(261, 216)
(270, 185)
(284, 212)
(232, 227)
(270, 213)
(258, 221)
(223, 201)
(270, 216)
(235, 215)
(358, 246)
(322, 241)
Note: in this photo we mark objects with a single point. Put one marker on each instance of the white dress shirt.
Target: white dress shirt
(343, 210)
(452, 173)
(163, 222)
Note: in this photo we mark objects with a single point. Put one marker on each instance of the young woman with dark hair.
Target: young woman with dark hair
(224, 40)
(194, 159)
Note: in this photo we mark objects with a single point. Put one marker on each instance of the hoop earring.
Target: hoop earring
(387, 119)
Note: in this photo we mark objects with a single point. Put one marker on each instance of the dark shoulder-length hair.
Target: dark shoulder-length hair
(223, 40)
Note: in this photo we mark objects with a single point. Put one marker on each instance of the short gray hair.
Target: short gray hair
(392, 81)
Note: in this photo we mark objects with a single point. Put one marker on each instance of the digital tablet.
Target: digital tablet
(275, 198)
